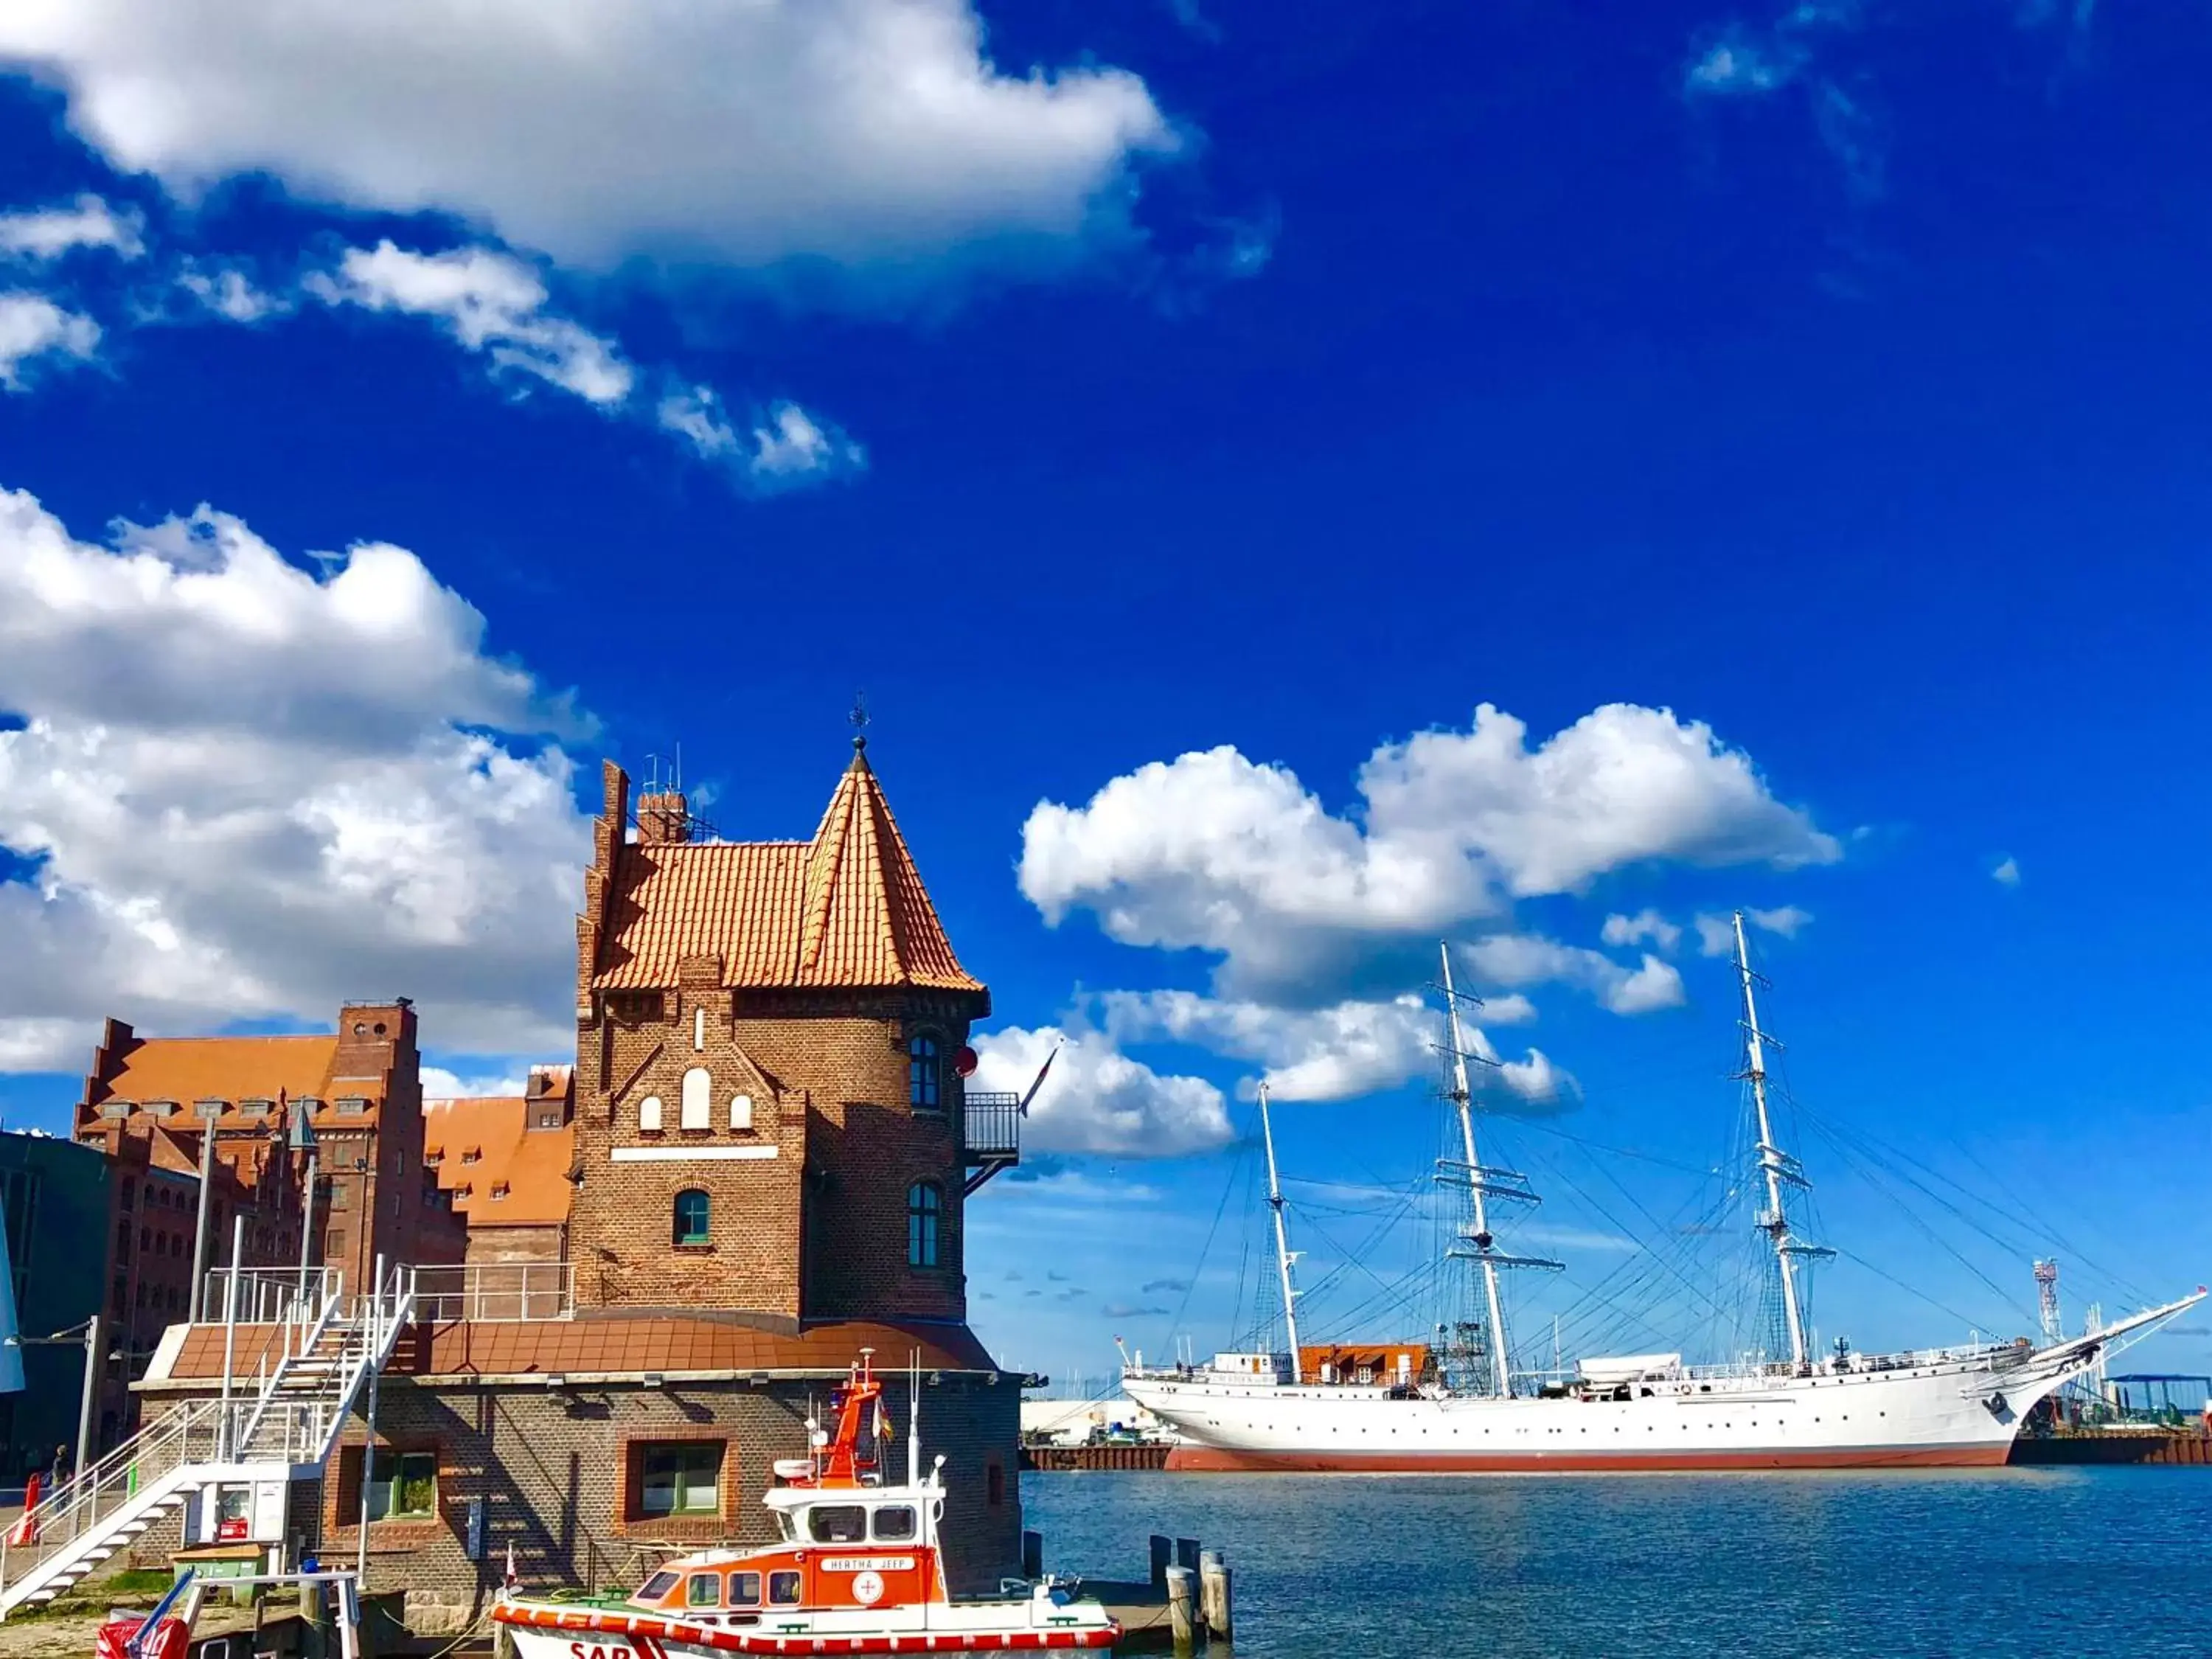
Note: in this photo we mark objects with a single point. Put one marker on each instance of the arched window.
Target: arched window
(698, 1104)
(923, 1204)
(695, 1214)
(648, 1113)
(741, 1111)
(922, 1075)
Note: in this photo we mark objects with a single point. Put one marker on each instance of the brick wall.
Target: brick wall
(809, 1202)
(556, 1472)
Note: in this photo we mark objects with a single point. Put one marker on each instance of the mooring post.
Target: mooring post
(1183, 1611)
(1187, 1554)
(1163, 1554)
(1213, 1597)
(1032, 1554)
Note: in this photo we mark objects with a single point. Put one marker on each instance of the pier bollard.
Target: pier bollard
(1032, 1554)
(1213, 1596)
(1187, 1554)
(1163, 1553)
(1182, 1613)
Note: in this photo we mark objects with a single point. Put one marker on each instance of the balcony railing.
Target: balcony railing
(991, 1125)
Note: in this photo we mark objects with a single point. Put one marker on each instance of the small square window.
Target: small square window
(744, 1589)
(679, 1478)
(703, 1590)
(403, 1485)
(783, 1589)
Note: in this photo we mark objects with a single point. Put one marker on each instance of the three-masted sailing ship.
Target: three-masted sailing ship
(1960, 1404)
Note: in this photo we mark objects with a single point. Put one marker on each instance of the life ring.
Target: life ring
(867, 1588)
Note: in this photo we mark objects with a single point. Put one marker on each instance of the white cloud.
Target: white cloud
(785, 448)
(865, 132)
(438, 1084)
(1342, 1052)
(1214, 851)
(2006, 873)
(231, 294)
(49, 233)
(1512, 1009)
(489, 303)
(1338, 1053)
(1621, 930)
(1511, 959)
(1097, 1099)
(247, 791)
(1735, 64)
(1716, 934)
(33, 328)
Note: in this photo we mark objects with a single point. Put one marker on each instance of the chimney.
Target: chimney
(663, 816)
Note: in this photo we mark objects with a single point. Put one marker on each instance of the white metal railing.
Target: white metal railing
(269, 1295)
(495, 1292)
(292, 1418)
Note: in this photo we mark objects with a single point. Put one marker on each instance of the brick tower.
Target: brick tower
(768, 1116)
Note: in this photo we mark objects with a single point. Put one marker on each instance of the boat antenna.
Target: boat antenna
(1283, 1257)
(913, 1418)
(1778, 1167)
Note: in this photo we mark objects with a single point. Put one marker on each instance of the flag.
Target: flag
(883, 1424)
(1041, 1072)
(24, 1532)
(513, 1581)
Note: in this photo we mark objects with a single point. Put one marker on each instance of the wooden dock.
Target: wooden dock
(1055, 1459)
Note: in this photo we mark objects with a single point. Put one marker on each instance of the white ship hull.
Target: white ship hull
(1941, 1412)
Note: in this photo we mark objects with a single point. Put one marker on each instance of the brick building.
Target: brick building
(768, 1108)
(360, 1087)
(766, 1163)
(506, 1165)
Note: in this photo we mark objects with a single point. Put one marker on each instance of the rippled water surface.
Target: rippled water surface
(2019, 1562)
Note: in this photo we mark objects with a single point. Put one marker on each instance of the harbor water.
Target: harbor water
(2114, 1562)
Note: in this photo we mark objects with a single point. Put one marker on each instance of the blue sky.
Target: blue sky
(1102, 385)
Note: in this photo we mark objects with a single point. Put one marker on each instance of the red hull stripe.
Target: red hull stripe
(1217, 1460)
(649, 1636)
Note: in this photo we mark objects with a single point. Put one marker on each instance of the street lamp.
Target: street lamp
(88, 1335)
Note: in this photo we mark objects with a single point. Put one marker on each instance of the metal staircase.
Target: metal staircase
(284, 1429)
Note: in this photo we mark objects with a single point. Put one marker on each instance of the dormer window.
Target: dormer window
(352, 1106)
(433, 1157)
(257, 1108)
(161, 1108)
(474, 1154)
(500, 1190)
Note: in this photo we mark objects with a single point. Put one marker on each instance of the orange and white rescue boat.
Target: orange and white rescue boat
(857, 1570)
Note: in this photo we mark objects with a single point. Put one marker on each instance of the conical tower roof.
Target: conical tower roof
(867, 918)
(847, 908)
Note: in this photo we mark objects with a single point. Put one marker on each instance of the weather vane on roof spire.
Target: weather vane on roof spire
(859, 719)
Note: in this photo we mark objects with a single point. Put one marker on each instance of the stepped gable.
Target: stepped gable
(847, 909)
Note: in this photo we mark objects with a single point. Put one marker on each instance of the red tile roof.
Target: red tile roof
(187, 1069)
(847, 908)
(531, 1164)
(627, 1342)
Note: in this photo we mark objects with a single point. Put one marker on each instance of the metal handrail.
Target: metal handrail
(268, 1295)
(494, 1292)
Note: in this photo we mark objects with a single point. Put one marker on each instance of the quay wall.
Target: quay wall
(2183, 1450)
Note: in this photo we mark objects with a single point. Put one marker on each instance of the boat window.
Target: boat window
(705, 1590)
(783, 1589)
(895, 1523)
(744, 1589)
(837, 1523)
(655, 1587)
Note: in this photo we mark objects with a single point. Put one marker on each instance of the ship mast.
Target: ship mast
(1483, 1184)
(1283, 1257)
(1778, 1167)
